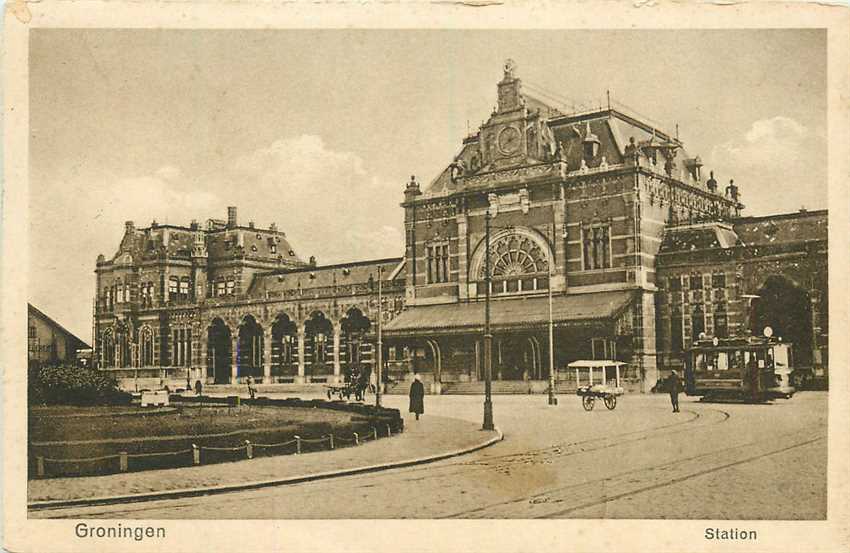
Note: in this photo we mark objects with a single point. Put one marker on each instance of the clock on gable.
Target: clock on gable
(509, 139)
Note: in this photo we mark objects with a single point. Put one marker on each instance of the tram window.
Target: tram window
(722, 361)
(736, 360)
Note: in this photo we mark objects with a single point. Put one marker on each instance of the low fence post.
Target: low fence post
(375, 431)
(122, 461)
(389, 431)
(332, 440)
(249, 449)
(356, 439)
(297, 445)
(196, 455)
(39, 461)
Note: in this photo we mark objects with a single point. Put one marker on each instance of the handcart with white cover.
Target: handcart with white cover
(606, 387)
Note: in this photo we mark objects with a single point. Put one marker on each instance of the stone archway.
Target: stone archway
(785, 308)
(514, 356)
(219, 352)
(284, 347)
(354, 328)
(249, 348)
(318, 345)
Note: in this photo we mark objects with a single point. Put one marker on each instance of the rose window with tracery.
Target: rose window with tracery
(517, 264)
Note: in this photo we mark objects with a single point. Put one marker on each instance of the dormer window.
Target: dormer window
(590, 143)
(273, 248)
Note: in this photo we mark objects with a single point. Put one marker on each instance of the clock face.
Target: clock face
(509, 140)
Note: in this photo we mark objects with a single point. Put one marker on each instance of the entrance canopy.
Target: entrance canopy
(508, 313)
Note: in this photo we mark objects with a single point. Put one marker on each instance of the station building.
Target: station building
(599, 212)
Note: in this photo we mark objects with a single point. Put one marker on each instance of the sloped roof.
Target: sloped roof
(510, 312)
(342, 274)
(39, 313)
(786, 227)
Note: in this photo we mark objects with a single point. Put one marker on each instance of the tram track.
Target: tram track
(566, 449)
(499, 463)
(580, 496)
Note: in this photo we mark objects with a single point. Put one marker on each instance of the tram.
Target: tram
(751, 368)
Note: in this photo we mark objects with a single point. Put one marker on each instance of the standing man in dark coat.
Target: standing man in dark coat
(674, 386)
(417, 396)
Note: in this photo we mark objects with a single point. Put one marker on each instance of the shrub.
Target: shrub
(74, 386)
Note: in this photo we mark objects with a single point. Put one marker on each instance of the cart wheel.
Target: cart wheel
(587, 403)
(610, 402)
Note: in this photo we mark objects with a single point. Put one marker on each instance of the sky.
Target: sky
(319, 131)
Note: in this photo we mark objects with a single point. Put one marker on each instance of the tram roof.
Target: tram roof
(585, 364)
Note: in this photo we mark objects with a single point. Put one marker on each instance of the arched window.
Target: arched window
(107, 349)
(119, 292)
(517, 264)
(146, 347)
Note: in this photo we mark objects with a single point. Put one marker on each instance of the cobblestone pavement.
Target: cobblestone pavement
(711, 461)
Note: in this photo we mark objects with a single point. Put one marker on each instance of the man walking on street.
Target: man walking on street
(674, 386)
(417, 396)
(252, 391)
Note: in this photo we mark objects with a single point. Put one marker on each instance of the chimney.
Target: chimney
(250, 224)
(129, 227)
(231, 217)
(194, 225)
(273, 227)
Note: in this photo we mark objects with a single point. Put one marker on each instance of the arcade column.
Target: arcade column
(301, 334)
(234, 360)
(337, 333)
(267, 355)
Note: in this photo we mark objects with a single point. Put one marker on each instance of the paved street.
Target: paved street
(712, 461)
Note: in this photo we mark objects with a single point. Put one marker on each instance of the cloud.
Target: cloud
(168, 173)
(325, 200)
(777, 162)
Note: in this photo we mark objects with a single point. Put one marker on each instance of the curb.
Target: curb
(227, 488)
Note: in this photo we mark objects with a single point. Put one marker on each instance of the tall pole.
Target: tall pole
(380, 343)
(488, 337)
(552, 399)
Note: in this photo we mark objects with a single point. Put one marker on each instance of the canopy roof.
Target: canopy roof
(509, 313)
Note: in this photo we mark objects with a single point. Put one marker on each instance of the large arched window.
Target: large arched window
(519, 262)
(146, 347)
(107, 348)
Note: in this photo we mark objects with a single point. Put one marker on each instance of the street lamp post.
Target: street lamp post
(488, 337)
(552, 399)
(380, 342)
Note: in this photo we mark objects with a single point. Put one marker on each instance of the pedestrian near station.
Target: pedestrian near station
(252, 391)
(674, 386)
(417, 396)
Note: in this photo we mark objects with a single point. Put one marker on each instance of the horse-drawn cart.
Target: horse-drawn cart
(607, 389)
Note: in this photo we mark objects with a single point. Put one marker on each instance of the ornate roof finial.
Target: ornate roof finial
(510, 67)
